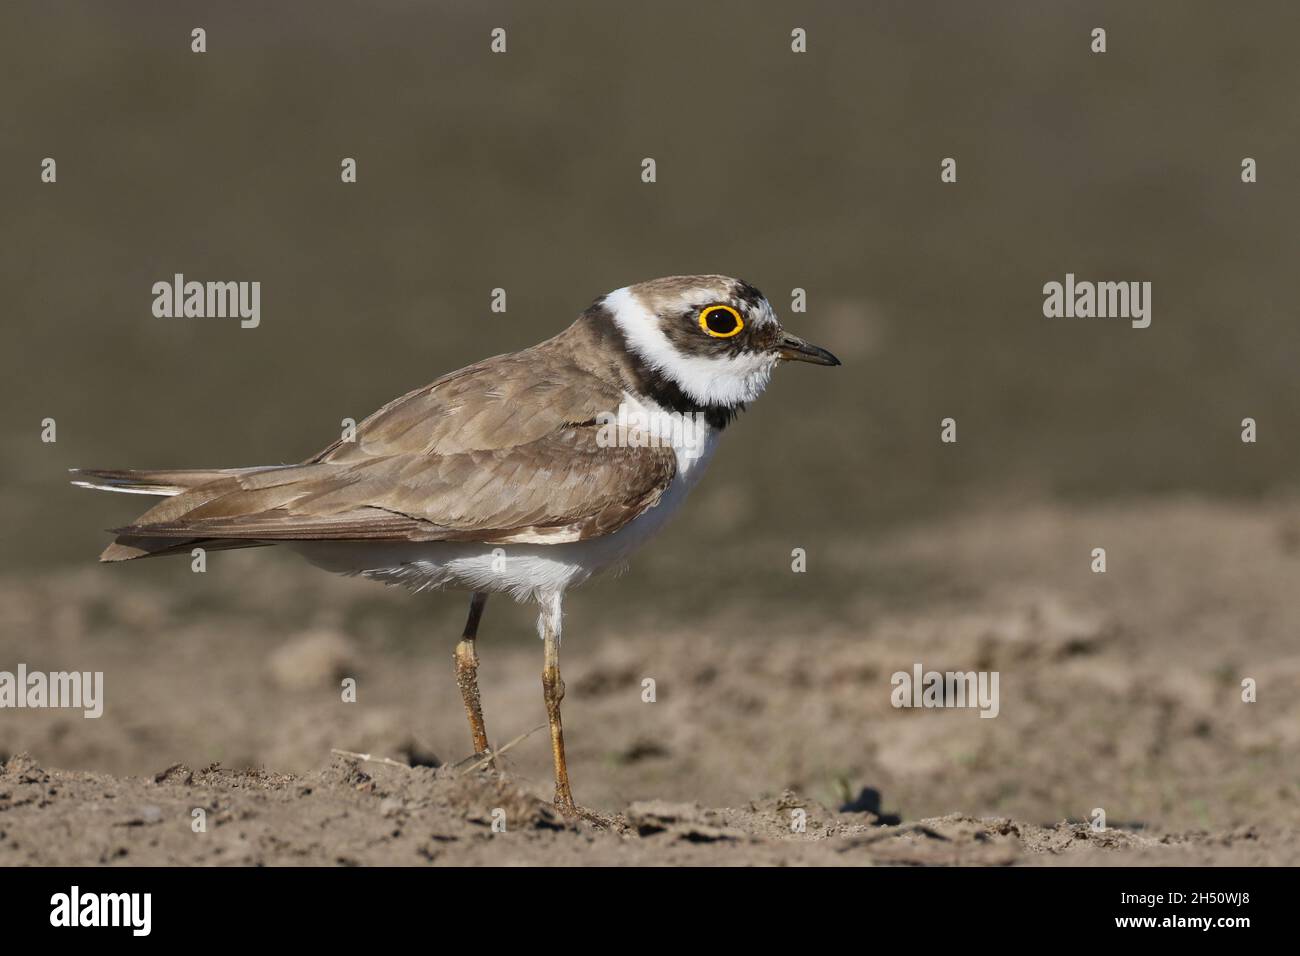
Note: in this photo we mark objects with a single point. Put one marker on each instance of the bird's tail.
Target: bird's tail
(163, 482)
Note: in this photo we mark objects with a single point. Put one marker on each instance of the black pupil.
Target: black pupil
(720, 321)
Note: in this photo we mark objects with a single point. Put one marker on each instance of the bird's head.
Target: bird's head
(715, 338)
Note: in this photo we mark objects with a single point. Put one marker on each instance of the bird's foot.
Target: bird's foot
(572, 813)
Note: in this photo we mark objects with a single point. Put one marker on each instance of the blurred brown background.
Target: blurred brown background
(522, 171)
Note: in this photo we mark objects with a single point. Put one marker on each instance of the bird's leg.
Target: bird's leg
(466, 658)
(553, 693)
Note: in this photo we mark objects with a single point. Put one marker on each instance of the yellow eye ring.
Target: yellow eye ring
(712, 312)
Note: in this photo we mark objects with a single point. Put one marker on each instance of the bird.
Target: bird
(524, 474)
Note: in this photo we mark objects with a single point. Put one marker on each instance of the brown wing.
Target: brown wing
(564, 487)
(502, 402)
(506, 450)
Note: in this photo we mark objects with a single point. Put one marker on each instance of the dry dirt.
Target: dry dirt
(1118, 691)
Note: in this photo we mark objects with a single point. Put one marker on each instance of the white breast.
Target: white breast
(526, 571)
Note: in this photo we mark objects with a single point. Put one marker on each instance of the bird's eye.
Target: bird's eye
(720, 321)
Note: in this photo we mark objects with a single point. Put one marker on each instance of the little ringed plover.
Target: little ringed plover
(525, 473)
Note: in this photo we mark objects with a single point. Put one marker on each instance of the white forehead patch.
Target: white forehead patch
(765, 315)
(724, 380)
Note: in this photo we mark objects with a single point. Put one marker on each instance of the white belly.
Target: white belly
(526, 571)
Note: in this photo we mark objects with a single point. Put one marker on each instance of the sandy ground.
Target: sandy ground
(1119, 691)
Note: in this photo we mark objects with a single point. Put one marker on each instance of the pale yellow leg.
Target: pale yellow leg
(466, 658)
(553, 693)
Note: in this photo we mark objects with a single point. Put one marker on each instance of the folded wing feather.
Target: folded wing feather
(501, 451)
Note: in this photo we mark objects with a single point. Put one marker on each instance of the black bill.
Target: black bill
(794, 349)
